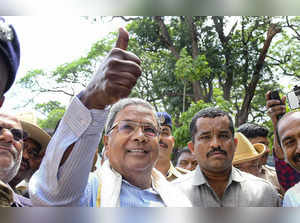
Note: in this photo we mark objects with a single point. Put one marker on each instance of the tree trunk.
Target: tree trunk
(242, 115)
(198, 92)
(219, 26)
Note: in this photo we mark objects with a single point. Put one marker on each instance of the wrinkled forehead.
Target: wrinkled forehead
(289, 123)
(139, 113)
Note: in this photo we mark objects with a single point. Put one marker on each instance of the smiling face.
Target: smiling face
(214, 144)
(166, 143)
(135, 152)
(10, 148)
(289, 133)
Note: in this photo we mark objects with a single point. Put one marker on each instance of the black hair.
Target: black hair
(209, 113)
(180, 151)
(251, 130)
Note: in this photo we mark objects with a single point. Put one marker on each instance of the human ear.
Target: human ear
(191, 146)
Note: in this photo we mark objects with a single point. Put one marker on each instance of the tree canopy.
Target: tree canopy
(192, 62)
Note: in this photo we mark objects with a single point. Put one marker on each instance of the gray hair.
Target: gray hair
(120, 105)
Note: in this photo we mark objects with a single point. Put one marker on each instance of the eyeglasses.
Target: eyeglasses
(18, 134)
(129, 127)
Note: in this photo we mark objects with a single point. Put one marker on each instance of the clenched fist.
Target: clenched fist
(115, 77)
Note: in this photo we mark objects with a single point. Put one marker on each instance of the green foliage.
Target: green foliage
(186, 68)
(53, 110)
(182, 129)
(53, 117)
(46, 108)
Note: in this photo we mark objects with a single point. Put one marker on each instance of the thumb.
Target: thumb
(123, 39)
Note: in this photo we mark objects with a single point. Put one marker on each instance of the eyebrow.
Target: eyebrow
(205, 133)
(286, 138)
(129, 120)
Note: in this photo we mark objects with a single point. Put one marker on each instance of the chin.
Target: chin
(140, 167)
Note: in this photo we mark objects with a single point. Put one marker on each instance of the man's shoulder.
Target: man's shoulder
(185, 178)
(292, 196)
(254, 182)
(294, 190)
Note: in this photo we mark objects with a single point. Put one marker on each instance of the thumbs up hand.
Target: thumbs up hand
(115, 77)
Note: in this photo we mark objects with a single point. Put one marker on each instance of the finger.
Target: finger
(267, 95)
(117, 66)
(124, 55)
(123, 38)
(122, 78)
(273, 103)
(118, 91)
(283, 99)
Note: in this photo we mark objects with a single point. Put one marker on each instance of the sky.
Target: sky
(47, 42)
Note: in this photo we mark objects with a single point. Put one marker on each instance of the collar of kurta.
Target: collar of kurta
(199, 178)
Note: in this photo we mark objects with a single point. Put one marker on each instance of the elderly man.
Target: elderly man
(11, 145)
(166, 146)
(215, 182)
(288, 134)
(34, 149)
(186, 159)
(9, 57)
(127, 178)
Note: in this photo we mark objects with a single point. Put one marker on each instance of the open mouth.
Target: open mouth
(138, 151)
(296, 158)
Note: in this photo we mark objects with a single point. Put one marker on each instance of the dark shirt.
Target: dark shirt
(287, 176)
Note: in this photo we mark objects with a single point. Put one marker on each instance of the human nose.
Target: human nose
(214, 142)
(138, 134)
(189, 166)
(25, 154)
(6, 135)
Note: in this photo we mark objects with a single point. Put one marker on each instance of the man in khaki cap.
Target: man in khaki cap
(246, 157)
(33, 152)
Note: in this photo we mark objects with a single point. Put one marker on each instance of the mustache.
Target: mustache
(296, 158)
(216, 149)
(26, 162)
(11, 148)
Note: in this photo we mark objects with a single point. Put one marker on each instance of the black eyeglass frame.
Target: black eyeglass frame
(18, 134)
(157, 132)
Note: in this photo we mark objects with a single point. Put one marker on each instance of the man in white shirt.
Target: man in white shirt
(128, 177)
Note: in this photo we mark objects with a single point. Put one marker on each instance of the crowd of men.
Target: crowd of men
(219, 167)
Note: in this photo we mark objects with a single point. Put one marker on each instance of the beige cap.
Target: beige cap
(246, 151)
(29, 125)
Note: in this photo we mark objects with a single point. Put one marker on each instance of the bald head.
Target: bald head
(288, 134)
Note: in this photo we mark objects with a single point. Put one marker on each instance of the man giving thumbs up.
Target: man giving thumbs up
(128, 177)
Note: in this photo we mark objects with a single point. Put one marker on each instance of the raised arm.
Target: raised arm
(63, 177)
